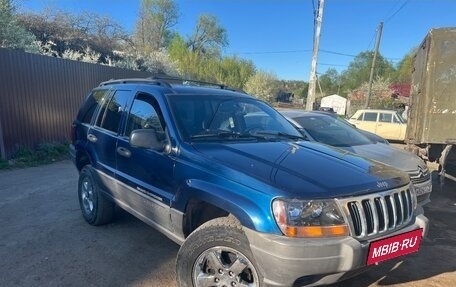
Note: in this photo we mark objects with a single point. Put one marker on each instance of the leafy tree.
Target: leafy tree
(230, 71)
(153, 27)
(298, 88)
(404, 69)
(358, 71)
(12, 34)
(187, 62)
(208, 37)
(263, 85)
(330, 82)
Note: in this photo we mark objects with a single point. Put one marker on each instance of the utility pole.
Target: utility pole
(371, 77)
(313, 72)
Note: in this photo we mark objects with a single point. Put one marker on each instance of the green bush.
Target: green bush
(43, 154)
(4, 164)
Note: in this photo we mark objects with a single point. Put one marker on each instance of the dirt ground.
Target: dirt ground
(44, 240)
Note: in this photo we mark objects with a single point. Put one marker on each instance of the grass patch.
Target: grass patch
(43, 154)
(4, 164)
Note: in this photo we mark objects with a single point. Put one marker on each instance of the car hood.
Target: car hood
(389, 155)
(302, 169)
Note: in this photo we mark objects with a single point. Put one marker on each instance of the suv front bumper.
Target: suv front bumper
(286, 261)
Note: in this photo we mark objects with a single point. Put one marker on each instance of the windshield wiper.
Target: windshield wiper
(220, 134)
(224, 135)
(279, 135)
(265, 136)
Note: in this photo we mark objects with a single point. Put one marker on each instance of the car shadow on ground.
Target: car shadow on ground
(437, 254)
(150, 255)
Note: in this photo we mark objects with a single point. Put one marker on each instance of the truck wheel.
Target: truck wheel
(217, 254)
(96, 209)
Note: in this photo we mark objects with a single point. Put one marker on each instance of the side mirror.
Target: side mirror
(146, 138)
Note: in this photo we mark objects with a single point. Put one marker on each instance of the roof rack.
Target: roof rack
(136, 80)
(167, 80)
(182, 81)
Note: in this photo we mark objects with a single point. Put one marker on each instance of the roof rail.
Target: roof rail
(137, 80)
(166, 81)
(182, 81)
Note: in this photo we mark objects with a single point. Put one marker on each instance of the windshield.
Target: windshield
(227, 118)
(401, 119)
(332, 131)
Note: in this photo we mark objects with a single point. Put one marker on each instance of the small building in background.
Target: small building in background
(336, 102)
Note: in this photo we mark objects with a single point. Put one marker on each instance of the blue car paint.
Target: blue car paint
(244, 178)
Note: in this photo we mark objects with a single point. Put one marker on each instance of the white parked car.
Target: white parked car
(385, 123)
(331, 130)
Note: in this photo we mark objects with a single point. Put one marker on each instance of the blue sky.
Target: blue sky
(277, 35)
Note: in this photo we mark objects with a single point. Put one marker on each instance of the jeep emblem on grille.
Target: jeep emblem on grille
(382, 184)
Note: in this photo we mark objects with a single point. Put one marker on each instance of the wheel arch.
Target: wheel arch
(82, 159)
(205, 201)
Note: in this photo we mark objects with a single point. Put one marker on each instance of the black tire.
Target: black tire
(96, 209)
(233, 260)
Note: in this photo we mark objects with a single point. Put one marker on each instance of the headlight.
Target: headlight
(309, 218)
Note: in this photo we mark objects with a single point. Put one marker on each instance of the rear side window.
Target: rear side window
(90, 105)
(370, 117)
(385, 117)
(112, 110)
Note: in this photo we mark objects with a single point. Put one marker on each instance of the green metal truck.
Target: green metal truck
(431, 128)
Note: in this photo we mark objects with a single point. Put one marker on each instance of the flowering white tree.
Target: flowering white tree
(263, 85)
(160, 62)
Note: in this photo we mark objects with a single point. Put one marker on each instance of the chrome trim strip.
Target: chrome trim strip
(384, 208)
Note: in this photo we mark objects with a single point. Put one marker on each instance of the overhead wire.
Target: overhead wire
(334, 65)
(274, 52)
(314, 10)
(372, 39)
(397, 11)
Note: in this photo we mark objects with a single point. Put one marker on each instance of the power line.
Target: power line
(396, 4)
(334, 65)
(372, 39)
(273, 52)
(303, 51)
(397, 11)
(337, 53)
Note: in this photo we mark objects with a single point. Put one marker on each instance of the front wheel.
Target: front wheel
(217, 254)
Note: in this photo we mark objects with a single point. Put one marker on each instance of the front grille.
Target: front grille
(420, 175)
(379, 213)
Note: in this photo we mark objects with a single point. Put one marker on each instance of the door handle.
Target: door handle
(123, 152)
(92, 138)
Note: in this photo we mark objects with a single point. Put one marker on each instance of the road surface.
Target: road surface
(44, 241)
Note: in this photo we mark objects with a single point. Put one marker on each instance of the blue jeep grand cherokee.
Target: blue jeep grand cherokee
(250, 202)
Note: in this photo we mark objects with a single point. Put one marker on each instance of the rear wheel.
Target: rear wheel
(96, 209)
(217, 254)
